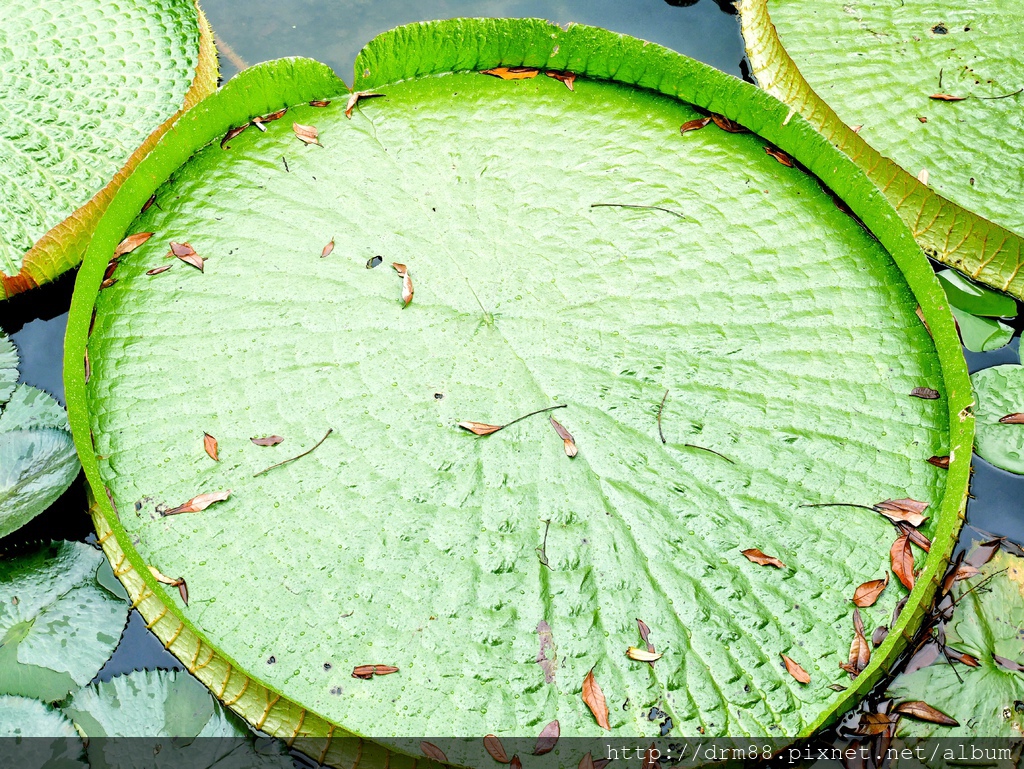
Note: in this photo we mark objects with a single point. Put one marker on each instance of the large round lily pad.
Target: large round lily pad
(495, 571)
(84, 84)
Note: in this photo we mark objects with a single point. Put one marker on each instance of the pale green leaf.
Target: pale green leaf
(22, 717)
(785, 334)
(982, 334)
(1000, 392)
(57, 624)
(36, 466)
(30, 407)
(970, 297)
(8, 367)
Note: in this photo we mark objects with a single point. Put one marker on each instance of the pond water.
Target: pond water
(333, 32)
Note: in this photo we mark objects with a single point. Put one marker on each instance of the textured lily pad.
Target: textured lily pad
(402, 540)
(37, 456)
(88, 86)
(1000, 392)
(23, 722)
(967, 215)
(165, 704)
(986, 625)
(982, 334)
(58, 624)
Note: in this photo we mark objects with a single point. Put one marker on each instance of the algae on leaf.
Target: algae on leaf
(880, 66)
(87, 88)
(58, 622)
(526, 296)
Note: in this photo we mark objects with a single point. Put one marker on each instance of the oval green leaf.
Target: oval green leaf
(1000, 391)
(707, 269)
(84, 85)
(970, 217)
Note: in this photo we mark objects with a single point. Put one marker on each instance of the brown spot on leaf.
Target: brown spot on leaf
(320, 103)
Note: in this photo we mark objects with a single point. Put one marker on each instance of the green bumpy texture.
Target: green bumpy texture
(877, 62)
(1000, 391)
(785, 336)
(83, 83)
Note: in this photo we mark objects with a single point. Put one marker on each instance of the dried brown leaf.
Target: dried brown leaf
(851, 669)
(512, 73)
(327, 249)
(761, 559)
(873, 723)
(564, 77)
(270, 440)
(163, 578)
(966, 572)
(1009, 664)
(480, 428)
(731, 126)
(183, 591)
(781, 156)
(946, 97)
(108, 283)
(199, 503)
(355, 97)
(879, 636)
(903, 511)
(210, 444)
(963, 657)
(369, 671)
(920, 314)
(496, 750)
(796, 670)
(922, 119)
(694, 125)
(651, 756)
(940, 462)
(158, 270)
(516, 763)
(594, 699)
(548, 738)
(231, 135)
(430, 750)
(132, 242)
(182, 249)
(587, 762)
(916, 537)
(983, 553)
(320, 103)
(860, 652)
(837, 687)
(922, 711)
(111, 266)
(307, 134)
(902, 559)
(1012, 419)
(403, 273)
(642, 655)
(925, 393)
(567, 440)
(645, 633)
(195, 260)
(274, 116)
(866, 594)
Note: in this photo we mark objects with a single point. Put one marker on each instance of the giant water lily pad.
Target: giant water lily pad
(905, 88)
(58, 623)
(84, 85)
(495, 571)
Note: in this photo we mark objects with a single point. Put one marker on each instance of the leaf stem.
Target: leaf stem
(646, 208)
(660, 409)
(534, 413)
(710, 451)
(300, 456)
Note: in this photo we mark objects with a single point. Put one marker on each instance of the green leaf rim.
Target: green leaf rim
(411, 51)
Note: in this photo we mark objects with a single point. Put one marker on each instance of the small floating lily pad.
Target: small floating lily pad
(1000, 393)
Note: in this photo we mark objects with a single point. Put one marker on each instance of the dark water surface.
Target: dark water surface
(333, 32)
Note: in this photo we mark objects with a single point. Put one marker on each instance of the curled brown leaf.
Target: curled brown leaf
(210, 444)
(879, 636)
(407, 291)
(164, 579)
(307, 134)
(270, 440)
(1012, 419)
(796, 670)
(515, 763)
(548, 738)
(568, 78)
(320, 103)
(902, 559)
(430, 750)
(873, 723)
(480, 428)
(642, 655)
(158, 270)
(594, 699)
(183, 591)
(860, 652)
(327, 249)
(866, 594)
(694, 125)
(199, 503)
(922, 711)
(946, 97)
(941, 462)
(730, 126)
(761, 559)
(587, 762)
(903, 511)
(495, 749)
(781, 156)
(925, 393)
(231, 135)
(567, 440)
(355, 97)
(650, 760)
(132, 242)
(182, 249)
(369, 671)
